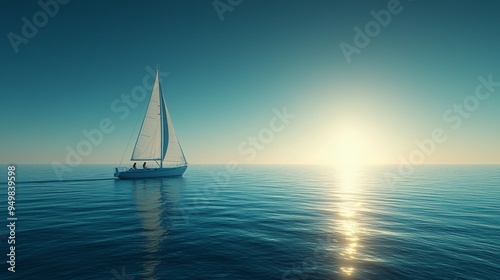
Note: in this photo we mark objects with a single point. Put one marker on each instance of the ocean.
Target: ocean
(255, 222)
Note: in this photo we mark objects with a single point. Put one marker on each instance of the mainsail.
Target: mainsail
(157, 139)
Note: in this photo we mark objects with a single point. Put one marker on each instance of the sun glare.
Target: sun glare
(350, 149)
(349, 145)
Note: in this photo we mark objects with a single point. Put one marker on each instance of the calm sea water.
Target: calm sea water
(258, 222)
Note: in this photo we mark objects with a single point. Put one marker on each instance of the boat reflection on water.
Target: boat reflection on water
(155, 201)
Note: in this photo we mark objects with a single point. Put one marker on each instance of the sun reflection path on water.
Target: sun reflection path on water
(348, 226)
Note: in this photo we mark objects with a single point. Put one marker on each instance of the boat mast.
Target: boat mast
(161, 115)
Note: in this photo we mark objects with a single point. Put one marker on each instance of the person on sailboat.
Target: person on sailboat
(144, 165)
(135, 166)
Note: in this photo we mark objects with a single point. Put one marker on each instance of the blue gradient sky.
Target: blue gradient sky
(227, 76)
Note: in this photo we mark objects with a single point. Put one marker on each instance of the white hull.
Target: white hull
(150, 172)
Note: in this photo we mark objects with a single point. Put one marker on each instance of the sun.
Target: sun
(349, 149)
(348, 145)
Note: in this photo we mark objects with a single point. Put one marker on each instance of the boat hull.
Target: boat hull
(150, 172)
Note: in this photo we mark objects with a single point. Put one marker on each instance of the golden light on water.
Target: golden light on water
(347, 270)
(348, 215)
(350, 148)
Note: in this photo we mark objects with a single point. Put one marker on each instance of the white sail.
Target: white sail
(149, 141)
(174, 153)
(157, 139)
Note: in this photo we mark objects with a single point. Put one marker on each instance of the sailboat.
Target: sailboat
(156, 142)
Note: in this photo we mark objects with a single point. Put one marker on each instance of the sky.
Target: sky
(254, 82)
